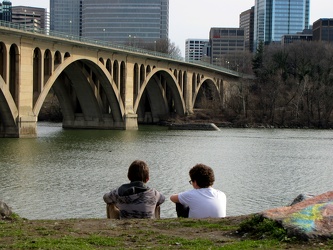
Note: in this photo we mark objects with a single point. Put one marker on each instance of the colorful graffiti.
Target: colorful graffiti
(307, 218)
(311, 217)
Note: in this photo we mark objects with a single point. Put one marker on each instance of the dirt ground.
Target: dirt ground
(117, 228)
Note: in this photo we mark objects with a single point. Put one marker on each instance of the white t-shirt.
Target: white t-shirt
(204, 202)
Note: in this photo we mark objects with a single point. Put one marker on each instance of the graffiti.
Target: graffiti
(307, 218)
(310, 217)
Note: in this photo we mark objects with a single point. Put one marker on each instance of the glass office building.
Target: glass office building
(65, 16)
(127, 21)
(6, 11)
(246, 21)
(275, 18)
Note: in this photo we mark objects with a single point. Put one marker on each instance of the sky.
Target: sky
(194, 18)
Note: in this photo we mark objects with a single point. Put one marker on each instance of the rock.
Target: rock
(307, 217)
(300, 198)
(5, 211)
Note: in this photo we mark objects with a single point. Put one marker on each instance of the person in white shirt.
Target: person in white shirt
(203, 201)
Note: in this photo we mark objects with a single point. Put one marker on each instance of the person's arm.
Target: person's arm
(174, 198)
(108, 197)
(161, 199)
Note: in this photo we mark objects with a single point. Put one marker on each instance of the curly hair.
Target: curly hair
(138, 171)
(203, 175)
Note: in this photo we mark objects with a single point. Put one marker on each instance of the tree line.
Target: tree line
(293, 87)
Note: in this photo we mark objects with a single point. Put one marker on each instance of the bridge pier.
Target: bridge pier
(27, 127)
(81, 122)
(131, 122)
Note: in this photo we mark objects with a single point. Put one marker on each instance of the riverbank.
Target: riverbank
(227, 233)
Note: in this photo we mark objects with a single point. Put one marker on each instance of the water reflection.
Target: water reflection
(64, 173)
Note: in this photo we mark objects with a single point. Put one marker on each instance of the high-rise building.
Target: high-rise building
(65, 16)
(246, 21)
(275, 18)
(6, 11)
(323, 30)
(196, 49)
(128, 22)
(226, 43)
(30, 16)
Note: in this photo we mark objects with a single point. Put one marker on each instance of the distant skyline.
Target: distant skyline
(193, 19)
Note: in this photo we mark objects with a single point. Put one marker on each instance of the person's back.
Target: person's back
(203, 201)
(135, 199)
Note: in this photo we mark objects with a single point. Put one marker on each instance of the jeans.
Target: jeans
(182, 211)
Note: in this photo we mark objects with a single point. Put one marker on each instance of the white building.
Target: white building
(196, 49)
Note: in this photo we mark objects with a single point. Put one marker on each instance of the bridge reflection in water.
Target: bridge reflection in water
(99, 85)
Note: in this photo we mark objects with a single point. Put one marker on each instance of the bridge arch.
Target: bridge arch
(184, 85)
(67, 55)
(9, 89)
(109, 65)
(57, 59)
(37, 74)
(180, 79)
(122, 81)
(148, 70)
(8, 112)
(207, 90)
(87, 94)
(3, 60)
(136, 83)
(14, 64)
(142, 74)
(47, 65)
(159, 96)
(116, 73)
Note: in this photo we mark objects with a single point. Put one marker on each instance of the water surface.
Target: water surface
(64, 173)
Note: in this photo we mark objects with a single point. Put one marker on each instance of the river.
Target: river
(64, 173)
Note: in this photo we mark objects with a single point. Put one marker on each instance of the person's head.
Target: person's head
(202, 175)
(138, 171)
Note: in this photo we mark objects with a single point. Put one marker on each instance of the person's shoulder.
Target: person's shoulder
(190, 192)
(114, 191)
(219, 192)
(125, 185)
(154, 190)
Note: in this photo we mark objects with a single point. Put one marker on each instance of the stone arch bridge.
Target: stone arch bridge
(98, 85)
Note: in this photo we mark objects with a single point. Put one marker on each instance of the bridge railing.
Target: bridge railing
(55, 34)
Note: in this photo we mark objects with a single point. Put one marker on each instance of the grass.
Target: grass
(260, 227)
(248, 232)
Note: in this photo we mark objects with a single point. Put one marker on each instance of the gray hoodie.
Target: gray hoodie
(135, 200)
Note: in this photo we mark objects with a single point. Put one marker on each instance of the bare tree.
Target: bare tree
(239, 61)
(294, 85)
(162, 46)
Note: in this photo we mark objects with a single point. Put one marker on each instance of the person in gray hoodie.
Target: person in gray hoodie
(134, 199)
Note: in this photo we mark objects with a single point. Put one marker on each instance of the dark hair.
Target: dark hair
(203, 175)
(138, 171)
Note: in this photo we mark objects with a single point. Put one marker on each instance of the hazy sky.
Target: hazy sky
(194, 18)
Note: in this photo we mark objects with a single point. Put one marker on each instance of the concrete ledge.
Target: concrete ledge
(193, 126)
